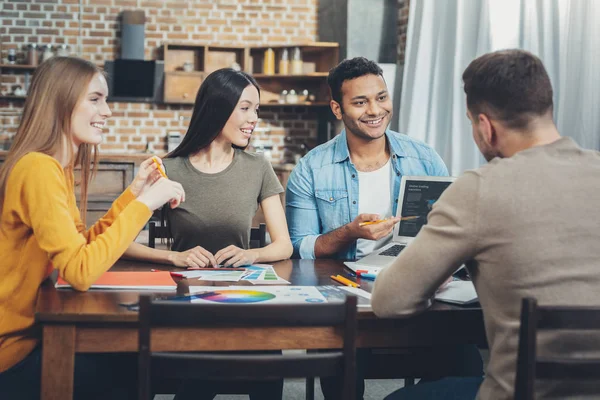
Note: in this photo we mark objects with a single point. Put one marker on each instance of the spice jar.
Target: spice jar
(292, 97)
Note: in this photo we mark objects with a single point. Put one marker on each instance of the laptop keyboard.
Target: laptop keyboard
(393, 251)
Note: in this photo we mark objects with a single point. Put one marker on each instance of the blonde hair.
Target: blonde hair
(56, 88)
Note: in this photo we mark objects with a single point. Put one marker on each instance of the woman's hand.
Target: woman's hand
(233, 256)
(198, 257)
(146, 176)
(161, 192)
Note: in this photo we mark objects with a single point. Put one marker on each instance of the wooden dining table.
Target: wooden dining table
(96, 322)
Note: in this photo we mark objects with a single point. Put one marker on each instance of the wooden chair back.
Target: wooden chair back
(224, 366)
(535, 318)
(258, 235)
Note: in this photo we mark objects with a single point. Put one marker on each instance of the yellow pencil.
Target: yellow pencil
(158, 166)
(372, 222)
(344, 281)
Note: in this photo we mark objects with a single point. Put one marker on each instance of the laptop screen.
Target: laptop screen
(418, 198)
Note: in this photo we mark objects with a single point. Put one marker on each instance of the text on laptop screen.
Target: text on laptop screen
(419, 197)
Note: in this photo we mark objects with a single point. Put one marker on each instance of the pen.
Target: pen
(158, 166)
(344, 281)
(367, 276)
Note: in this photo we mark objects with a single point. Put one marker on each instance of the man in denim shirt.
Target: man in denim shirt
(322, 199)
(355, 178)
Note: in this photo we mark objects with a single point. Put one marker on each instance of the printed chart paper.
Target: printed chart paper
(254, 294)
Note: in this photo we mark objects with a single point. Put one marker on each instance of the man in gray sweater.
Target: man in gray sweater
(525, 225)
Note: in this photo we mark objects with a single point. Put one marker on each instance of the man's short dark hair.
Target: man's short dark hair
(509, 85)
(350, 69)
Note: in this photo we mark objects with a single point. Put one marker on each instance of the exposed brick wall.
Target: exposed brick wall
(91, 29)
(403, 6)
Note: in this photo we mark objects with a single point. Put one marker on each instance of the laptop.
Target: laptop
(417, 194)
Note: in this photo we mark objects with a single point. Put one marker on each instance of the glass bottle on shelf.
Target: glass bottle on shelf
(284, 63)
(269, 62)
(32, 54)
(297, 62)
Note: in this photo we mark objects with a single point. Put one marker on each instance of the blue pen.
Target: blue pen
(368, 276)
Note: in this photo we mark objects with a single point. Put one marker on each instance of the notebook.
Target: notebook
(458, 292)
(129, 280)
(418, 194)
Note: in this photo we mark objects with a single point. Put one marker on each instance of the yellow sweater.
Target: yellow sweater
(39, 225)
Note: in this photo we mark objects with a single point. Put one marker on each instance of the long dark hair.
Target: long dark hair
(216, 99)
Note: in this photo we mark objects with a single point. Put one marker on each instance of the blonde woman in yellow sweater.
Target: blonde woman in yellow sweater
(41, 228)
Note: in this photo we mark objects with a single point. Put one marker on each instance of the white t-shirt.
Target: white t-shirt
(374, 197)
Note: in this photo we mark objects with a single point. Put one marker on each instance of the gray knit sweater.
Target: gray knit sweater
(528, 225)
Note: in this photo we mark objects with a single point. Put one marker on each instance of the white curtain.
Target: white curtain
(445, 36)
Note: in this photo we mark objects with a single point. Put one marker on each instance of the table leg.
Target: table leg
(58, 362)
(310, 388)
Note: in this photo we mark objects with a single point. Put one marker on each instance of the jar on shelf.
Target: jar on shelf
(32, 54)
(292, 97)
(63, 50)
(47, 53)
(283, 97)
(11, 56)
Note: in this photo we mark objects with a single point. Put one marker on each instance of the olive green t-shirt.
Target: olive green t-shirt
(219, 208)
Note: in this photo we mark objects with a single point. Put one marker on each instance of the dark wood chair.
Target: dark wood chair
(223, 366)
(536, 318)
(258, 236)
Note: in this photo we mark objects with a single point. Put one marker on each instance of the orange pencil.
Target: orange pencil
(159, 167)
(344, 281)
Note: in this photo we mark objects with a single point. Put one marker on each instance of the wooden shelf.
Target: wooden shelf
(317, 59)
(18, 66)
(309, 46)
(186, 73)
(10, 97)
(314, 75)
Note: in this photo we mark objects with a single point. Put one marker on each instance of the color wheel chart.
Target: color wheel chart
(235, 296)
(257, 294)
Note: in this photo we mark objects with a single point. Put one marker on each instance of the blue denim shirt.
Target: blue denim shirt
(322, 191)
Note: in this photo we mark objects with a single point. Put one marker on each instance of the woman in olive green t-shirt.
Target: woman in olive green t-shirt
(224, 184)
